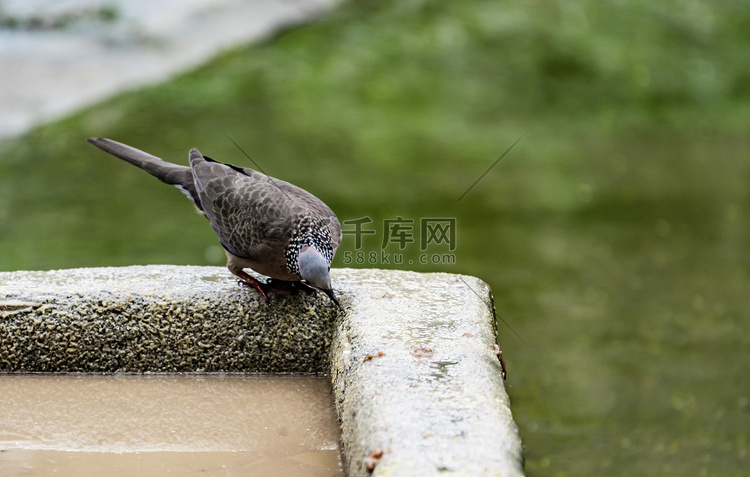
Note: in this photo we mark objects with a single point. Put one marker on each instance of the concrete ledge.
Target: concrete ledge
(417, 382)
(158, 319)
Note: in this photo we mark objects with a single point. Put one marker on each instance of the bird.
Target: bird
(265, 224)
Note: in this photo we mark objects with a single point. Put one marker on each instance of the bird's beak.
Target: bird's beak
(330, 294)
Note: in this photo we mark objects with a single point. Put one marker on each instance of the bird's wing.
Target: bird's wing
(250, 215)
(311, 206)
(253, 214)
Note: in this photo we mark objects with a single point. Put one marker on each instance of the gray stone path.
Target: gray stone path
(48, 72)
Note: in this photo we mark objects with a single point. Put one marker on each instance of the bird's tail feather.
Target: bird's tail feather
(173, 174)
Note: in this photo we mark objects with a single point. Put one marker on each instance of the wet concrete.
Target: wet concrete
(124, 425)
(417, 380)
(413, 358)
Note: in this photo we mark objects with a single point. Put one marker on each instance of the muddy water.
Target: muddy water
(222, 425)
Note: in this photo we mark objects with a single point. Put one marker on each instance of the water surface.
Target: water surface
(123, 425)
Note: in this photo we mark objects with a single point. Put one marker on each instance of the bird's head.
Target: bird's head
(315, 270)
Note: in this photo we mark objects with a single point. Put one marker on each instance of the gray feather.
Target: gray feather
(261, 221)
(172, 174)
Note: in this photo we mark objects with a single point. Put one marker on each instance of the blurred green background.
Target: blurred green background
(614, 235)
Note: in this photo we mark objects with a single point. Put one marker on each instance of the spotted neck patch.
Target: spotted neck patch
(310, 233)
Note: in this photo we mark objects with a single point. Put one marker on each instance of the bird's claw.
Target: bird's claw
(251, 282)
(288, 287)
(282, 287)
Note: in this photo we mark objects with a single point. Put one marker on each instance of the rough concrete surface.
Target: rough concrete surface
(156, 318)
(417, 382)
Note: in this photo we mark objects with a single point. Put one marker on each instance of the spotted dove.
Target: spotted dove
(265, 224)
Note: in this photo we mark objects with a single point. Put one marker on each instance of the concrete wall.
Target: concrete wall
(417, 382)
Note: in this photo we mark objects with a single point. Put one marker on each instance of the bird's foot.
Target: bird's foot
(282, 287)
(250, 282)
(288, 287)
